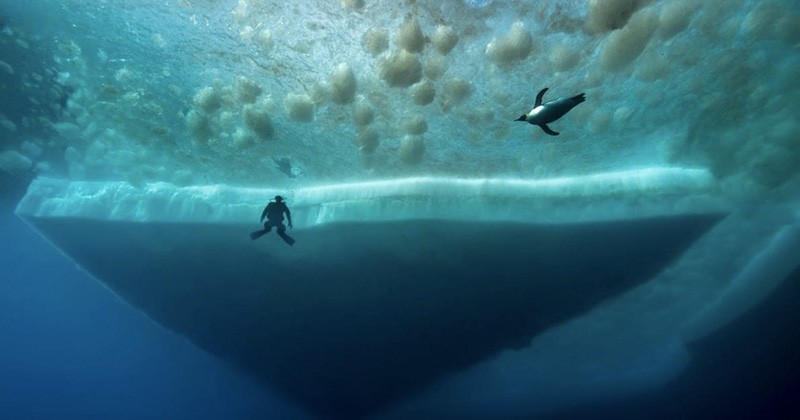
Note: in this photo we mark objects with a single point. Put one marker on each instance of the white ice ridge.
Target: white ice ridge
(645, 192)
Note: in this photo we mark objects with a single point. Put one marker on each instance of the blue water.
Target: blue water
(85, 86)
(70, 349)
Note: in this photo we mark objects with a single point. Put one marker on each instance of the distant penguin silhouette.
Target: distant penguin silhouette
(543, 113)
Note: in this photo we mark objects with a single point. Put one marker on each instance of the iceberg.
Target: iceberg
(495, 281)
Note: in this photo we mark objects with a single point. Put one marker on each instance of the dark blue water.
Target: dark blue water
(70, 349)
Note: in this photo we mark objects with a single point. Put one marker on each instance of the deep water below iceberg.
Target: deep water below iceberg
(72, 349)
(748, 369)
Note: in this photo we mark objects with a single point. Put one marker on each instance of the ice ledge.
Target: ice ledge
(645, 192)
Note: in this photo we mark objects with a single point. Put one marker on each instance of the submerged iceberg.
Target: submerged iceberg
(451, 294)
(449, 262)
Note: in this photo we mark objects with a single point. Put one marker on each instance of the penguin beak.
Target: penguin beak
(522, 118)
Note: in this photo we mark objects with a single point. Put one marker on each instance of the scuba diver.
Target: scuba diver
(273, 212)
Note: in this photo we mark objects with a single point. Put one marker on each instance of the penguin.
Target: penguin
(543, 113)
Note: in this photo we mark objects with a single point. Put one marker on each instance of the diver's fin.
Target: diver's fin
(257, 234)
(548, 130)
(539, 97)
(286, 238)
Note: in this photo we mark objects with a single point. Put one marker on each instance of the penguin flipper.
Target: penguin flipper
(539, 97)
(547, 130)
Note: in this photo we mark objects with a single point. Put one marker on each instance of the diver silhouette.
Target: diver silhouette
(273, 212)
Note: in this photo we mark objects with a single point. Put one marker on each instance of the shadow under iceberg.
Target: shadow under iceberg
(357, 316)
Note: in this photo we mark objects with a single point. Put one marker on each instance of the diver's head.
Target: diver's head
(278, 198)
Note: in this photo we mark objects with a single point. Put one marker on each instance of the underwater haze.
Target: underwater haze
(499, 209)
(71, 349)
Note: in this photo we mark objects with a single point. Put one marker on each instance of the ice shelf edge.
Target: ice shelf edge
(645, 192)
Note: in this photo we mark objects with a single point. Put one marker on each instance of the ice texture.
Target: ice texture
(205, 93)
(646, 192)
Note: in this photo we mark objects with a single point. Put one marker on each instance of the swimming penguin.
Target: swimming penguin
(543, 113)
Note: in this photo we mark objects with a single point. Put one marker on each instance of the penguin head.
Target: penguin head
(521, 118)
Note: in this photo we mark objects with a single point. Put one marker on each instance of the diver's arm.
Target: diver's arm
(264, 214)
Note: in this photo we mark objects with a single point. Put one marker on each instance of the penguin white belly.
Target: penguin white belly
(535, 111)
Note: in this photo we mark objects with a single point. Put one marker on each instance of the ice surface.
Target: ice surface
(170, 94)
